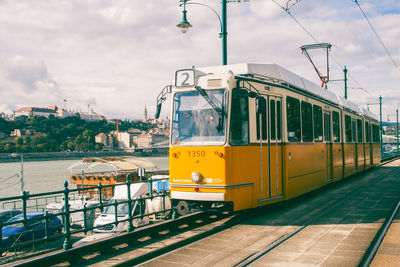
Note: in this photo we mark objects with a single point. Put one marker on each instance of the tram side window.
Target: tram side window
(378, 137)
(279, 119)
(367, 133)
(306, 121)
(373, 133)
(359, 131)
(370, 133)
(239, 132)
(353, 131)
(318, 130)
(272, 114)
(336, 127)
(327, 126)
(261, 112)
(347, 126)
(375, 130)
(293, 119)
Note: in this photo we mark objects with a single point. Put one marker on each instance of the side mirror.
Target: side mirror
(158, 111)
(161, 98)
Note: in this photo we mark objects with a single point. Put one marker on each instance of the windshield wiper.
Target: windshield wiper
(209, 101)
(220, 111)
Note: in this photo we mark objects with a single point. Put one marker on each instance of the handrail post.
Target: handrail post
(142, 201)
(24, 198)
(84, 218)
(46, 226)
(116, 213)
(130, 225)
(151, 187)
(1, 234)
(100, 187)
(67, 234)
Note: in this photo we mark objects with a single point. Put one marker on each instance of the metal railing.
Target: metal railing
(390, 150)
(76, 214)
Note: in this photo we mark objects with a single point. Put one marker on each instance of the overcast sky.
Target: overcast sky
(117, 55)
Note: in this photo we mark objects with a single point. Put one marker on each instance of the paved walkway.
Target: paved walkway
(338, 238)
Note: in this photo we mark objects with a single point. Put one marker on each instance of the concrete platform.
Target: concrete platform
(339, 238)
(389, 250)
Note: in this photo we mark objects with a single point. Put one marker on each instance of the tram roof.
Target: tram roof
(275, 72)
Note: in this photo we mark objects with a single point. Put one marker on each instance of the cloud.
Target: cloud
(30, 74)
(118, 55)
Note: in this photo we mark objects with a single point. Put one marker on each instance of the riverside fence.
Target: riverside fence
(53, 215)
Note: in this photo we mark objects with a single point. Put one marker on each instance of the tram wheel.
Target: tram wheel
(182, 208)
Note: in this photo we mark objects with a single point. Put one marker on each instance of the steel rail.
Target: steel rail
(236, 219)
(376, 242)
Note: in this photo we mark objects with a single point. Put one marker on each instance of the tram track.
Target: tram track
(240, 217)
(93, 252)
(316, 215)
(380, 235)
(368, 256)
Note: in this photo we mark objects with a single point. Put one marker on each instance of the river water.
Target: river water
(45, 176)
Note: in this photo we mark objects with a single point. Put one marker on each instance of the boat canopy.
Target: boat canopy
(109, 165)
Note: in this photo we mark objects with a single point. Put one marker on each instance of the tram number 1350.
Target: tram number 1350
(196, 153)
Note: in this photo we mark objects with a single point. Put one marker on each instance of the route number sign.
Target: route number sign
(185, 78)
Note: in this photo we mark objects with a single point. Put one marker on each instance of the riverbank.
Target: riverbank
(49, 156)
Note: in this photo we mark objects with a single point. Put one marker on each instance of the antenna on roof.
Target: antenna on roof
(327, 46)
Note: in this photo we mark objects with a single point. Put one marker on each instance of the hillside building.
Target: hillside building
(57, 112)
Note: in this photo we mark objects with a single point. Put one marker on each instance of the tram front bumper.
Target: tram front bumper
(199, 196)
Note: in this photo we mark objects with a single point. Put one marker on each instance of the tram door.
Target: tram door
(269, 135)
(354, 140)
(275, 146)
(262, 137)
(328, 145)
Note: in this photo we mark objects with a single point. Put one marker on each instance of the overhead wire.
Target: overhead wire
(287, 10)
(6, 187)
(8, 178)
(377, 35)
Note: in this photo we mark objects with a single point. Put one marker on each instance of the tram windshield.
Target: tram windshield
(199, 117)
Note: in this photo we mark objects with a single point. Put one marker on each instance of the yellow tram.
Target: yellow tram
(254, 134)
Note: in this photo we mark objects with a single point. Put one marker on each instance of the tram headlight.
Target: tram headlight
(195, 177)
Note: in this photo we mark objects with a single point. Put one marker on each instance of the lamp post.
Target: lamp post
(380, 120)
(345, 81)
(22, 170)
(397, 128)
(184, 25)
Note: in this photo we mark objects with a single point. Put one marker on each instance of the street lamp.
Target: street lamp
(22, 170)
(184, 25)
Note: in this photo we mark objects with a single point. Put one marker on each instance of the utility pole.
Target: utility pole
(224, 34)
(345, 82)
(380, 128)
(397, 129)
